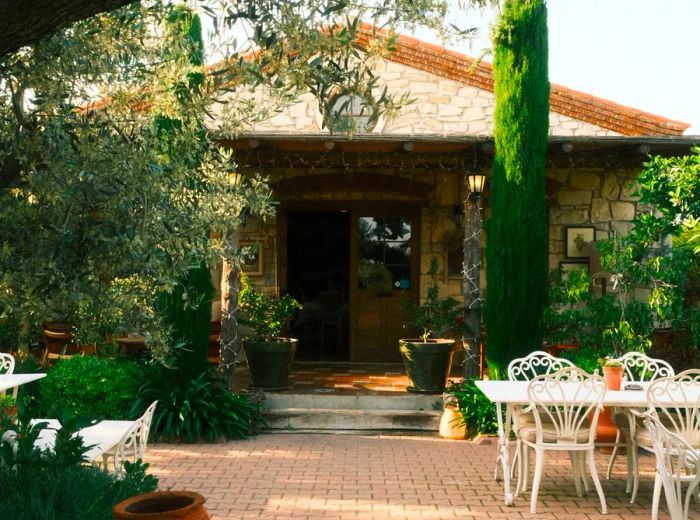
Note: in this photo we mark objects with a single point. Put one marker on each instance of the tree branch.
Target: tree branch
(23, 23)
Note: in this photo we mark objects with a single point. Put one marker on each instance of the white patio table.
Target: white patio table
(513, 394)
(104, 435)
(13, 380)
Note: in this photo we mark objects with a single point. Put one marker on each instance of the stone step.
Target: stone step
(353, 419)
(402, 401)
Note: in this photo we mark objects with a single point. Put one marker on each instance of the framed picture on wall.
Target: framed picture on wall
(253, 256)
(577, 240)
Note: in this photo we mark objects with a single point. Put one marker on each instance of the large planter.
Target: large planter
(427, 364)
(162, 505)
(270, 363)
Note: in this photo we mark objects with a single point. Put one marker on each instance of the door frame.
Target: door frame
(356, 209)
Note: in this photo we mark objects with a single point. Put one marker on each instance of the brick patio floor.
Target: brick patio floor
(313, 476)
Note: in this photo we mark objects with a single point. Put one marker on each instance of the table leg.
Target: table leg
(503, 454)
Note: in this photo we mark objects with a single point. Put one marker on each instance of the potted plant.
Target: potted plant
(566, 317)
(428, 359)
(269, 356)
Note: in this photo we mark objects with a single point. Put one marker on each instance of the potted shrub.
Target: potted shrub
(566, 316)
(428, 358)
(269, 356)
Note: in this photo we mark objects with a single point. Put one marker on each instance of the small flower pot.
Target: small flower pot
(162, 505)
(613, 377)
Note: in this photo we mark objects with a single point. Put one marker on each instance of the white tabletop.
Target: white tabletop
(104, 435)
(515, 393)
(12, 380)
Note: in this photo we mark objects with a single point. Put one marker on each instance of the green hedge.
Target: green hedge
(90, 386)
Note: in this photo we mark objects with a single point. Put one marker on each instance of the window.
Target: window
(350, 112)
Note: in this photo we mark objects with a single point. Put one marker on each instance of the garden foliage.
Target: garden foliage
(517, 245)
(478, 412)
(202, 408)
(89, 386)
(436, 317)
(55, 484)
(264, 314)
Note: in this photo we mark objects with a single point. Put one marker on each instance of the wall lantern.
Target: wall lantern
(458, 215)
(475, 183)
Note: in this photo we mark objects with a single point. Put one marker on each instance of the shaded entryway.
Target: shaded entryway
(318, 272)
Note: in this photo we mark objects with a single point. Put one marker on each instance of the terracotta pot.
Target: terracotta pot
(452, 424)
(613, 377)
(606, 431)
(162, 505)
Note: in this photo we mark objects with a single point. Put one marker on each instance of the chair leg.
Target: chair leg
(515, 458)
(519, 459)
(614, 455)
(582, 470)
(629, 447)
(596, 482)
(539, 466)
(576, 467)
(526, 467)
(656, 497)
(635, 476)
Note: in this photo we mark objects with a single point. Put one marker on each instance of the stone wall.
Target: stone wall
(597, 197)
(441, 107)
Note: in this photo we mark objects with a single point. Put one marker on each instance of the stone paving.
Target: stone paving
(311, 476)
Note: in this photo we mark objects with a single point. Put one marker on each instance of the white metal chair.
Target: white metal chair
(535, 364)
(562, 404)
(677, 463)
(637, 367)
(7, 367)
(132, 445)
(675, 402)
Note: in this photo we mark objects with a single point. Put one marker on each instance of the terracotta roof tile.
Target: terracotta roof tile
(572, 103)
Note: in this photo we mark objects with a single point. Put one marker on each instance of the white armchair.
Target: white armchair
(535, 364)
(132, 445)
(565, 406)
(7, 367)
(636, 367)
(677, 464)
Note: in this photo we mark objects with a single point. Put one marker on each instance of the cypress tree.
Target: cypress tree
(517, 245)
(187, 309)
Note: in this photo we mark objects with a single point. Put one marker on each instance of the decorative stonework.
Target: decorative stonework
(591, 197)
(453, 109)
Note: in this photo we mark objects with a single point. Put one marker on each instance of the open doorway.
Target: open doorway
(318, 272)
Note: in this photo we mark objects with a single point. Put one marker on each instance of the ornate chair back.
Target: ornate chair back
(569, 401)
(7, 363)
(676, 403)
(677, 463)
(640, 367)
(535, 364)
(132, 445)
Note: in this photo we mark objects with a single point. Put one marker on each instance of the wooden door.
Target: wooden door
(384, 273)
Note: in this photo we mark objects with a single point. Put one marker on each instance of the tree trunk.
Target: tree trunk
(230, 346)
(517, 246)
(471, 285)
(23, 23)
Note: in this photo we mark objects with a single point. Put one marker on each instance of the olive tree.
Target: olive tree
(99, 213)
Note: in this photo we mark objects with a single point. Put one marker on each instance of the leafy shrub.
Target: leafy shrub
(201, 409)
(264, 314)
(90, 386)
(55, 484)
(478, 411)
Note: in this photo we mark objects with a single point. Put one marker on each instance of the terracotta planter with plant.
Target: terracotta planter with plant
(268, 355)
(162, 505)
(428, 360)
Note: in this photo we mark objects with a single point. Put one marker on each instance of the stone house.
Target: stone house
(360, 219)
